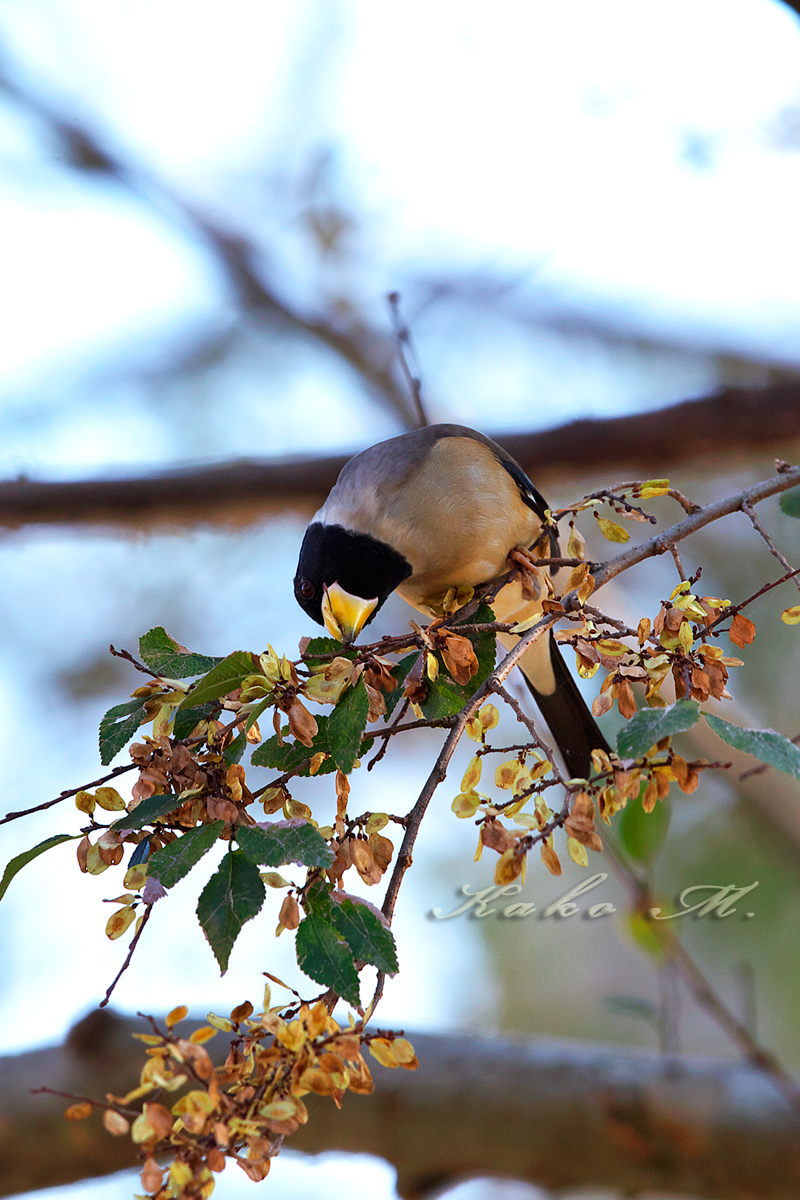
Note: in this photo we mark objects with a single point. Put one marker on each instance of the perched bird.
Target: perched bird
(437, 509)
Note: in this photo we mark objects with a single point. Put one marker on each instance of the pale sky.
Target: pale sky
(621, 158)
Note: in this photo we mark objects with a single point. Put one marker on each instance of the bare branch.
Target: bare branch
(84, 787)
(128, 957)
(406, 347)
(773, 549)
(704, 516)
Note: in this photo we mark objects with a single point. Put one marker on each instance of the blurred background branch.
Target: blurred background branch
(740, 420)
(634, 1122)
(203, 218)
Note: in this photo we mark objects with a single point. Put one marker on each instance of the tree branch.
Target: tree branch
(245, 490)
(560, 1115)
(662, 542)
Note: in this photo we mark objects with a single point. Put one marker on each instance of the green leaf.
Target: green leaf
(27, 856)
(400, 672)
(484, 644)
(446, 698)
(118, 726)
(187, 718)
(764, 744)
(148, 810)
(642, 834)
(233, 895)
(164, 655)
(176, 859)
(325, 645)
(293, 754)
(346, 724)
(650, 725)
(366, 935)
(323, 955)
(273, 847)
(238, 746)
(317, 899)
(225, 677)
(790, 503)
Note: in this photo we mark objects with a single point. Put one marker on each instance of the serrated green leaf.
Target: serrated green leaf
(175, 860)
(301, 844)
(366, 935)
(650, 725)
(326, 958)
(292, 754)
(764, 744)
(148, 810)
(163, 654)
(225, 677)
(642, 834)
(317, 899)
(346, 724)
(27, 856)
(326, 645)
(790, 503)
(232, 896)
(445, 698)
(187, 718)
(118, 727)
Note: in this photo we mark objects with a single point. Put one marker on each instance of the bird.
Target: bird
(425, 514)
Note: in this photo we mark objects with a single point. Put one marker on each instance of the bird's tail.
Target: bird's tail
(560, 702)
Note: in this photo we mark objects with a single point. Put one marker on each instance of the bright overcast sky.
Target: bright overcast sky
(625, 152)
(620, 156)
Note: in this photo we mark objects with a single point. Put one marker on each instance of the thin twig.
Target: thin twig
(128, 957)
(733, 609)
(133, 661)
(660, 544)
(622, 629)
(673, 549)
(84, 787)
(387, 733)
(527, 721)
(748, 509)
(406, 348)
(48, 1091)
(423, 723)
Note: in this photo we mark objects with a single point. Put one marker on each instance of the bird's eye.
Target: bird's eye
(307, 589)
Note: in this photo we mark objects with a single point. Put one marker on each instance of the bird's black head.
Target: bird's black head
(360, 564)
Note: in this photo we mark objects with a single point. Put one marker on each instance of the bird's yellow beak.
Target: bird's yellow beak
(345, 615)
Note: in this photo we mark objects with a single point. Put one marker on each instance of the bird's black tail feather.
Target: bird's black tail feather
(569, 719)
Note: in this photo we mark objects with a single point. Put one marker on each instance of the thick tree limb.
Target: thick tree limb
(558, 1114)
(734, 419)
